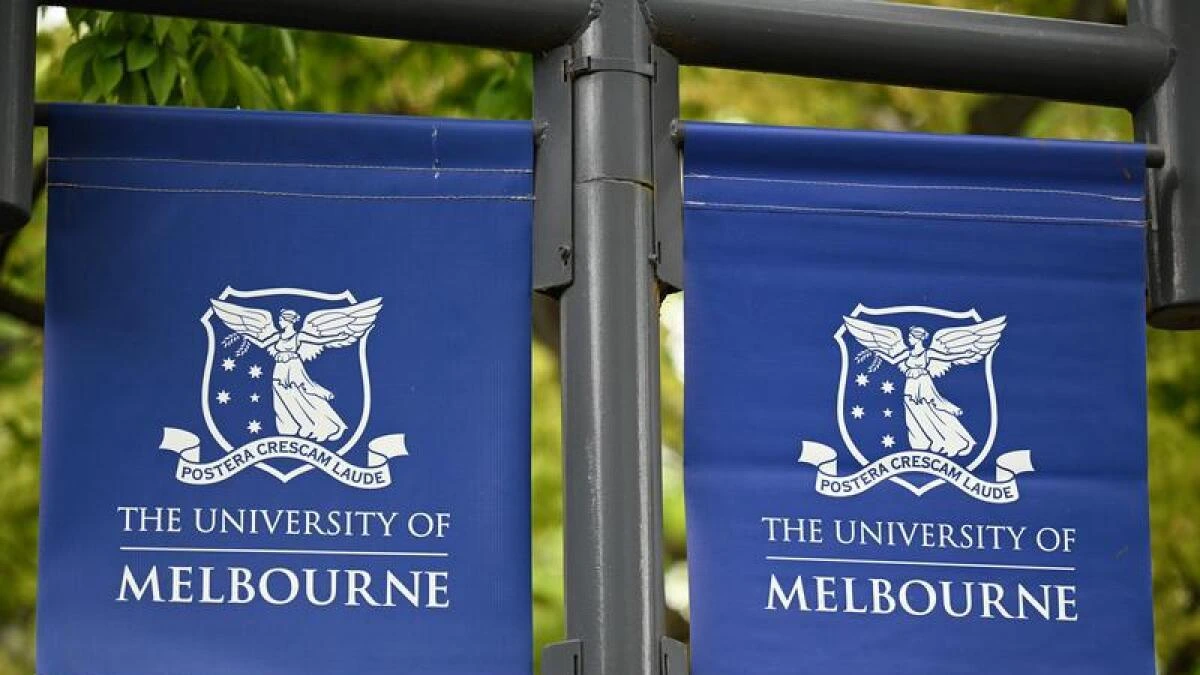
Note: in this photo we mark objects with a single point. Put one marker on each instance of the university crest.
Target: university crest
(286, 389)
(916, 405)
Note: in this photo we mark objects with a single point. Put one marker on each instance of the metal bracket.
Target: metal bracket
(563, 658)
(566, 658)
(554, 173)
(668, 171)
(553, 235)
(598, 64)
(674, 658)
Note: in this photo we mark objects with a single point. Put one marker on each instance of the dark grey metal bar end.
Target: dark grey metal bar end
(1171, 119)
(18, 32)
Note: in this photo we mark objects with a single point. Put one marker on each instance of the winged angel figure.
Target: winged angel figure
(932, 420)
(302, 407)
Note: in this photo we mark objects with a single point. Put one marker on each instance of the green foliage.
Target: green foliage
(130, 58)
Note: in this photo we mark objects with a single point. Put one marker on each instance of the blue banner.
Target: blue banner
(915, 415)
(287, 395)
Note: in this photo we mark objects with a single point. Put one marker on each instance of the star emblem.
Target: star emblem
(254, 427)
(255, 372)
(887, 412)
(222, 397)
(254, 398)
(862, 380)
(229, 364)
(858, 412)
(887, 387)
(889, 441)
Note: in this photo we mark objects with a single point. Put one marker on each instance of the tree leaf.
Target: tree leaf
(139, 54)
(87, 83)
(108, 45)
(108, 73)
(181, 33)
(136, 24)
(288, 45)
(187, 84)
(77, 56)
(110, 23)
(133, 89)
(214, 81)
(77, 17)
(162, 75)
(162, 27)
(251, 92)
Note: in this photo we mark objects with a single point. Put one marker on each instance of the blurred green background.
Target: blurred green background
(121, 58)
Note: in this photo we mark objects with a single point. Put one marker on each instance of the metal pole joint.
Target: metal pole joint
(597, 64)
(555, 72)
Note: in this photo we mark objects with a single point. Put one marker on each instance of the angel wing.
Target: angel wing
(964, 345)
(338, 327)
(885, 341)
(253, 323)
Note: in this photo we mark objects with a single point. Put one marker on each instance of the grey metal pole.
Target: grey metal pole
(918, 46)
(1172, 119)
(610, 377)
(522, 25)
(18, 32)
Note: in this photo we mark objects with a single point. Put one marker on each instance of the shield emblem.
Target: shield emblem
(250, 392)
(876, 417)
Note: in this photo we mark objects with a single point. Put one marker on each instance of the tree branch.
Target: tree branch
(546, 321)
(22, 307)
(39, 182)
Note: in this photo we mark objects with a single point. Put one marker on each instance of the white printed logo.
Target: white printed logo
(895, 419)
(257, 380)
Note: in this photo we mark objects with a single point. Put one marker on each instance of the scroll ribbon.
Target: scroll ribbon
(1003, 490)
(191, 470)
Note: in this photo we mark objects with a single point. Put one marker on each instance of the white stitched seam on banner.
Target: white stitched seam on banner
(272, 193)
(294, 165)
(887, 186)
(720, 206)
(922, 563)
(285, 551)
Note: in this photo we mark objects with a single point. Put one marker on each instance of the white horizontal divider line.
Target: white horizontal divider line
(285, 551)
(921, 563)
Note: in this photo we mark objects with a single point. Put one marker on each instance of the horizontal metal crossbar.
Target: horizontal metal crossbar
(854, 40)
(917, 46)
(519, 25)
